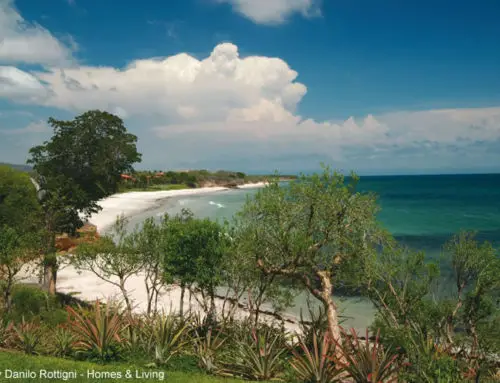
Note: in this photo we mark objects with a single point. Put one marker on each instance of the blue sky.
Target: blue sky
(257, 85)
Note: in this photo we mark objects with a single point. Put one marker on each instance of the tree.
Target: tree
(196, 249)
(113, 258)
(312, 231)
(81, 164)
(150, 241)
(240, 276)
(476, 273)
(17, 250)
(19, 206)
(20, 227)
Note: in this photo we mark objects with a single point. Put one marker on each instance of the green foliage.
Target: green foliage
(428, 361)
(195, 250)
(97, 330)
(207, 348)
(312, 362)
(399, 282)
(19, 207)
(260, 355)
(28, 301)
(171, 180)
(17, 250)
(6, 332)
(81, 164)
(168, 337)
(62, 342)
(27, 336)
(113, 256)
(317, 232)
(366, 360)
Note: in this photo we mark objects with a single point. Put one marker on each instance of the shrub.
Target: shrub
(312, 362)
(259, 356)
(97, 330)
(167, 337)
(207, 348)
(28, 302)
(6, 332)
(27, 336)
(63, 342)
(367, 361)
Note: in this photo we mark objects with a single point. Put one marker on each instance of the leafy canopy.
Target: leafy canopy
(82, 164)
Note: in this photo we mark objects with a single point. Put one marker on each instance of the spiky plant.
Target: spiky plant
(259, 356)
(63, 342)
(312, 364)
(207, 347)
(27, 336)
(167, 337)
(6, 332)
(97, 330)
(367, 361)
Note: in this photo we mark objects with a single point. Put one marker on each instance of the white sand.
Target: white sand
(131, 203)
(90, 287)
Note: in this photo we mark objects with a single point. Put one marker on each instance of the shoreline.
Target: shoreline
(136, 202)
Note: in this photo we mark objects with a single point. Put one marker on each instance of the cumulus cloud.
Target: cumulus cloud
(19, 85)
(229, 111)
(24, 42)
(273, 11)
(181, 87)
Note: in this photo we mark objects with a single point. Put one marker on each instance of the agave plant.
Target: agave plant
(367, 361)
(135, 334)
(6, 332)
(167, 337)
(97, 330)
(27, 336)
(63, 342)
(207, 347)
(314, 365)
(259, 357)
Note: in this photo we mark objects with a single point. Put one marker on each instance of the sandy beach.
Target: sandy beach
(131, 203)
(90, 287)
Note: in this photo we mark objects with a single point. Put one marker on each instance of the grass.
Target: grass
(20, 362)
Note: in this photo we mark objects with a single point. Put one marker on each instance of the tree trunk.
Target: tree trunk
(8, 295)
(52, 279)
(125, 296)
(331, 311)
(183, 290)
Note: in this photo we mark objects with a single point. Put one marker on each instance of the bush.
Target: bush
(28, 302)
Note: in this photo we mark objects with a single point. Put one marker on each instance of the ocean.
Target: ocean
(422, 212)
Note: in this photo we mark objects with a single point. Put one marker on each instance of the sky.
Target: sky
(379, 87)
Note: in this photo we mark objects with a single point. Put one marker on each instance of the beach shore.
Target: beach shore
(89, 287)
(131, 203)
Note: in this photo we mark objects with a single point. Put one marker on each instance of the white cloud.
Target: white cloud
(273, 11)
(33, 127)
(24, 42)
(181, 87)
(229, 110)
(18, 85)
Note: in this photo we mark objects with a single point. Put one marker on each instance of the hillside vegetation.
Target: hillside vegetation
(171, 180)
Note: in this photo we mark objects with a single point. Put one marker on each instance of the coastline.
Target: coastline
(135, 202)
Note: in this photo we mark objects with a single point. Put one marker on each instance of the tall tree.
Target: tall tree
(312, 231)
(80, 165)
(20, 227)
(195, 252)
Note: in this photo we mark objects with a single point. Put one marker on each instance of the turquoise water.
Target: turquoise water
(421, 211)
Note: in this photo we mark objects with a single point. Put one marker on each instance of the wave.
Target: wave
(219, 205)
